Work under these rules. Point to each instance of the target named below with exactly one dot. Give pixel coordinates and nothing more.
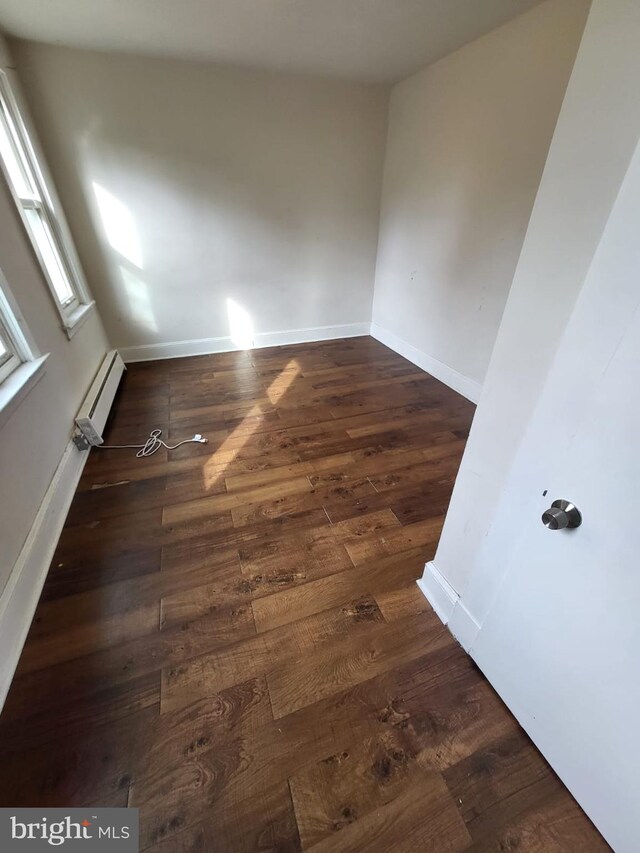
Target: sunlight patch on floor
(216, 465)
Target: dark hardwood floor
(231, 638)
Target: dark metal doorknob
(561, 514)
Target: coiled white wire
(153, 443)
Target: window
(14, 347)
(36, 207)
(21, 365)
(9, 357)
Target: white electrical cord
(153, 443)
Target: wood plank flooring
(231, 639)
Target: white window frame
(10, 357)
(13, 334)
(21, 365)
(37, 196)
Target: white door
(561, 642)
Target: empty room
(319, 418)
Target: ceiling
(369, 40)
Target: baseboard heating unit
(93, 414)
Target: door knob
(561, 514)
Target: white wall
(597, 132)
(215, 184)
(36, 434)
(467, 141)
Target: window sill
(75, 321)
(18, 384)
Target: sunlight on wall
(138, 300)
(240, 325)
(122, 234)
(217, 463)
(119, 226)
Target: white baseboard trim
(463, 626)
(469, 388)
(205, 346)
(20, 596)
(438, 592)
(448, 606)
